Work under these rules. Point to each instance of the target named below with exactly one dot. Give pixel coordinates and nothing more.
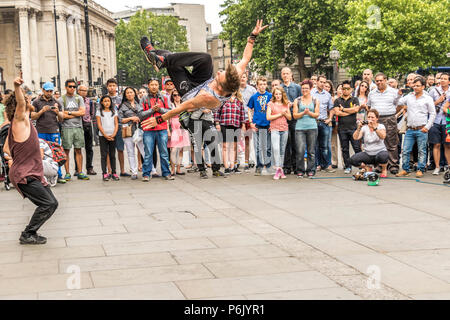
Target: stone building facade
(190, 16)
(28, 41)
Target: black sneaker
(287, 171)
(203, 175)
(28, 238)
(218, 174)
(125, 174)
(150, 54)
(237, 171)
(228, 171)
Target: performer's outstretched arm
(200, 101)
(248, 51)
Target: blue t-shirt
(306, 122)
(258, 102)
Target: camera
(53, 108)
(365, 123)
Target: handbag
(138, 135)
(127, 131)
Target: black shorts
(437, 134)
(230, 133)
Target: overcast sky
(212, 8)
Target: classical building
(220, 51)
(190, 16)
(28, 41)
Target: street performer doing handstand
(198, 88)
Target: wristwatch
(70, 113)
(375, 129)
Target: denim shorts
(120, 144)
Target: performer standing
(27, 172)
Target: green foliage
(301, 28)
(405, 35)
(130, 57)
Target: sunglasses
(72, 87)
(346, 88)
(176, 95)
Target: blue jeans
(263, 148)
(323, 149)
(411, 137)
(279, 141)
(150, 138)
(52, 137)
(306, 140)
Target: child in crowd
(278, 113)
(108, 124)
(178, 138)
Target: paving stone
(433, 262)
(313, 294)
(149, 275)
(157, 246)
(118, 262)
(28, 269)
(209, 232)
(119, 238)
(255, 284)
(399, 276)
(10, 257)
(207, 222)
(154, 291)
(14, 245)
(86, 231)
(152, 226)
(401, 236)
(17, 286)
(227, 254)
(238, 241)
(63, 253)
(230, 269)
(30, 296)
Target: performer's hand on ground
(149, 123)
(259, 27)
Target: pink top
(281, 123)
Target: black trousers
(88, 139)
(204, 132)
(43, 198)
(346, 137)
(176, 63)
(290, 156)
(108, 147)
(362, 157)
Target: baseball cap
(167, 80)
(48, 86)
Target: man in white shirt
(384, 99)
(420, 117)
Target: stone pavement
(244, 237)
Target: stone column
(72, 49)
(63, 48)
(35, 66)
(108, 57)
(112, 46)
(25, 51)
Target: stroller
(4, 168)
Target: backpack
(58, 154)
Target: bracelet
(250, 40)
(159, 120)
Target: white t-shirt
(372, 142)
(108, 122)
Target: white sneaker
(436, 172)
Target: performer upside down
(199, 89)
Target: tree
(301, 28)
(130, 57)
(395, 36)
